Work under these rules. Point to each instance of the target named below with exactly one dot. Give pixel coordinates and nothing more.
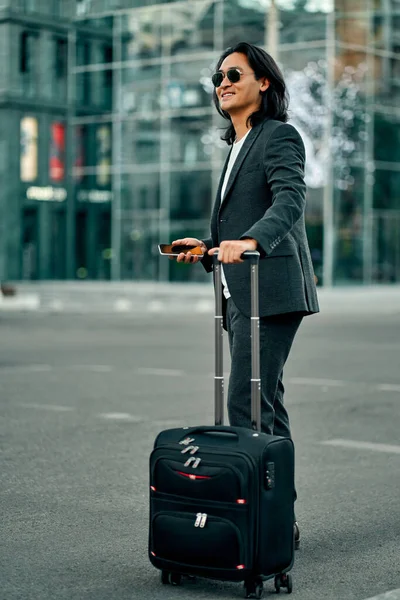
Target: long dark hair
(274, 101)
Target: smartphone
(170, 250)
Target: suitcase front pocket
(209, 482)
(197, 539)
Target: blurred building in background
(109, 142)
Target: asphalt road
(82, 399)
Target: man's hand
(188, 257)
(230, 251)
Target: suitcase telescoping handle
(253, 256)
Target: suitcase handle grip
(212, 429)
(252, 255)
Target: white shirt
(237, 146)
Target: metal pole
(219, 366)
(271, 36)
(70, 155)
(369, 156)
(164, 222)
(255, 348)
(328, 213)
(116, 206)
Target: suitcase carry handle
(211, 429)
(254, 257)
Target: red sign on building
(57, 152)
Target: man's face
(244, 95)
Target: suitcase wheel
(164, 577)
(253, 588)
(283, 580)
(172, 578)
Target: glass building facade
(121, 149)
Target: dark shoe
(7, 289)
(296, 535)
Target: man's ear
(264, 85)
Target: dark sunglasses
(233, 75)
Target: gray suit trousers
(277, 333)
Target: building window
(108, 76)
(83, 79)
(61, 58)
(28, 62)
(82, 7)
(30, 6)
(57, 12)
(24, 56)
(60, 68)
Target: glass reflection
(140, 92)
(190, 196)
(169, 151)
(140, 142)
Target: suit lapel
(249, 141)
(218, 197)
(221, 180)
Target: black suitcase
(222, 498)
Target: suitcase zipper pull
(191, 449)
(196, 462)
(198, 519)
(186, 441)
(203, 520)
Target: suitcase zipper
(204, 463)
(204, 517)
(190, 501)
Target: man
(260, 205)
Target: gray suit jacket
(265, 200)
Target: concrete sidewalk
(154, 297)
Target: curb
(158, 298)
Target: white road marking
(162, 372)
(51, 407)
(318, 382)
(155, 306)
(388, 387)
(392, 595)
(56, 305)
(92, 368)
(26, 369)
(121, 417)
(122, 305)
(203, 306)
(391, 448)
